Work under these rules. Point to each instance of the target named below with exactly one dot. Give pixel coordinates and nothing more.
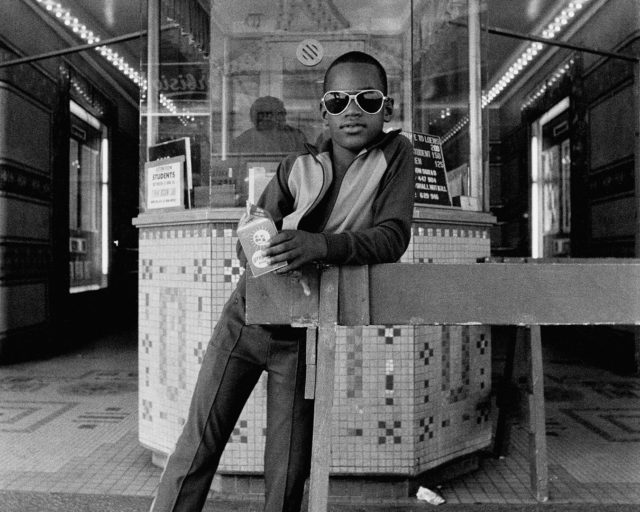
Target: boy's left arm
(388, 238)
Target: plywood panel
(22, 305)
(612, 129)
(25, 130)
(613, 218)
(24, 219)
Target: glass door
(88, 202)
(551, 183)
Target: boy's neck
(341, 158)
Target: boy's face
(354, 129)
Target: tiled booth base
(407, 399)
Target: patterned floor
(69, 425)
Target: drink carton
(255, 229)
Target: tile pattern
(57, 456)
(406, 398)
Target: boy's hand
(296, 248)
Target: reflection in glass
(270, 132)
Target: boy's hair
(359, 58)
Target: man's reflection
(270, 132)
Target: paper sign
(165, 183)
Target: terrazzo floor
(69, 425)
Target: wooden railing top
(557, 292)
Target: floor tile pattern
(44, 406)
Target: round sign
(310, 52)
(259, 259)
(261, 237)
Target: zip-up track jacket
(370, 221)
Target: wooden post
(506, 398)
(636, 94)
(537, 424)
(325, 369)
(310, 378)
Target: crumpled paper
(429, 496)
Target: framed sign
(431, 185)
(165, 183)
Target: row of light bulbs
(552, 29)
(550, 32)
(118, 61)
(83, 92)
(557, 75)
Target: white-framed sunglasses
(370, 101)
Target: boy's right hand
(296, 247)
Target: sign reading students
(165, 183)
(430, 172)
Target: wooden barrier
(568, 292)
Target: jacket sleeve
(388, 238)
(276, 199)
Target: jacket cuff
(337, 247)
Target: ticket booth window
(246, 91)
(88, 202)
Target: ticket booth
(232, 87)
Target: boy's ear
(388, 109)
(323, 113)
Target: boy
(349, 202)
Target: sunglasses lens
(370, 101)
(336, 101)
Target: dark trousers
(236, 356)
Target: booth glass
(242, 81)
